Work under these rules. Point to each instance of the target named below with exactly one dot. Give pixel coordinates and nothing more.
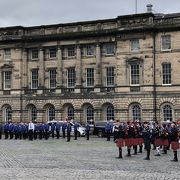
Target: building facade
(124, 68)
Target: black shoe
(157, 155)
(128, 155)
(146, 158)
(174, 160)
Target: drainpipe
(154, 79)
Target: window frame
(162, 41)
(52, 79)
(110, 113)
(110, 76)
(90, 78)
(70, 83)
(7, 57)
(50, 53)
(169, 74)
(109, 49)
(5, 80)
(132, 43)
(35, 80)
(139, 79)
(165, 118)
(36, 57)
(51, 114)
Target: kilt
(161, 142)
(140, 141)
(129, 142)
(120, 142)
(135, 141)
(175, 145)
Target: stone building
(123, 68)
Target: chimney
(149, 8)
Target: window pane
(7, 54)
(166, 42)
(109, 49)
(7, 113)
(136, 112)
(52, 53)
(71, 112)
(7, 80)
(33, 114)
(90, 50)
(90, 77)
(110, 76)
(71, 51)
(51, 113)
(135, 45)
(71, 78)
(135, 74)
(34, 79)
(166, 73)
(35, 53)
(52, 78)
(110, 113)
(89, 114)
(167, 112)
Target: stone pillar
(59, 67)
(78, 67)
(98, 78)
(24, 74)
(1, 80)
(41, 68)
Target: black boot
(165, 150)
(148, 155)
(135, 150)
(175, 157)
(129, 152)
(120, 153)
(140, 148)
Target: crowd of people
(33, 131)
(136, 134)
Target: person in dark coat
(108, 130)
(87, 131)
(76, 126)
(64, 126)
(1, 131)
(147, 135)
(11, 130)
(53, 126)
(69, 128)
(46, 129)
(6, 130)
(58, 127)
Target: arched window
(33, 113)
(7, 113)
(89, 113)
(70, 112)
(136, 112)
(167, 113)
(110, 112)
(51, 113)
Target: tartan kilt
(129, 142)
(175, 145)
(135, 141)
(120, 142)
(140, 141)
(165, 142)
(158, 142)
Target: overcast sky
(42, 12)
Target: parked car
(81, 129)
(99, 128)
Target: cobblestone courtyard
(94, 159)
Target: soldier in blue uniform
(11, 130)
(41, 129)
(6, 130)
(87, 131)
(76, 126)
(58, 127)
(20, 131)
(69, 132)
(16, 131)
(36, 129)
(46, 129)
(108, 130)
(1, 131)
(64, 126)
(53, 129)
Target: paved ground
(94, 159)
